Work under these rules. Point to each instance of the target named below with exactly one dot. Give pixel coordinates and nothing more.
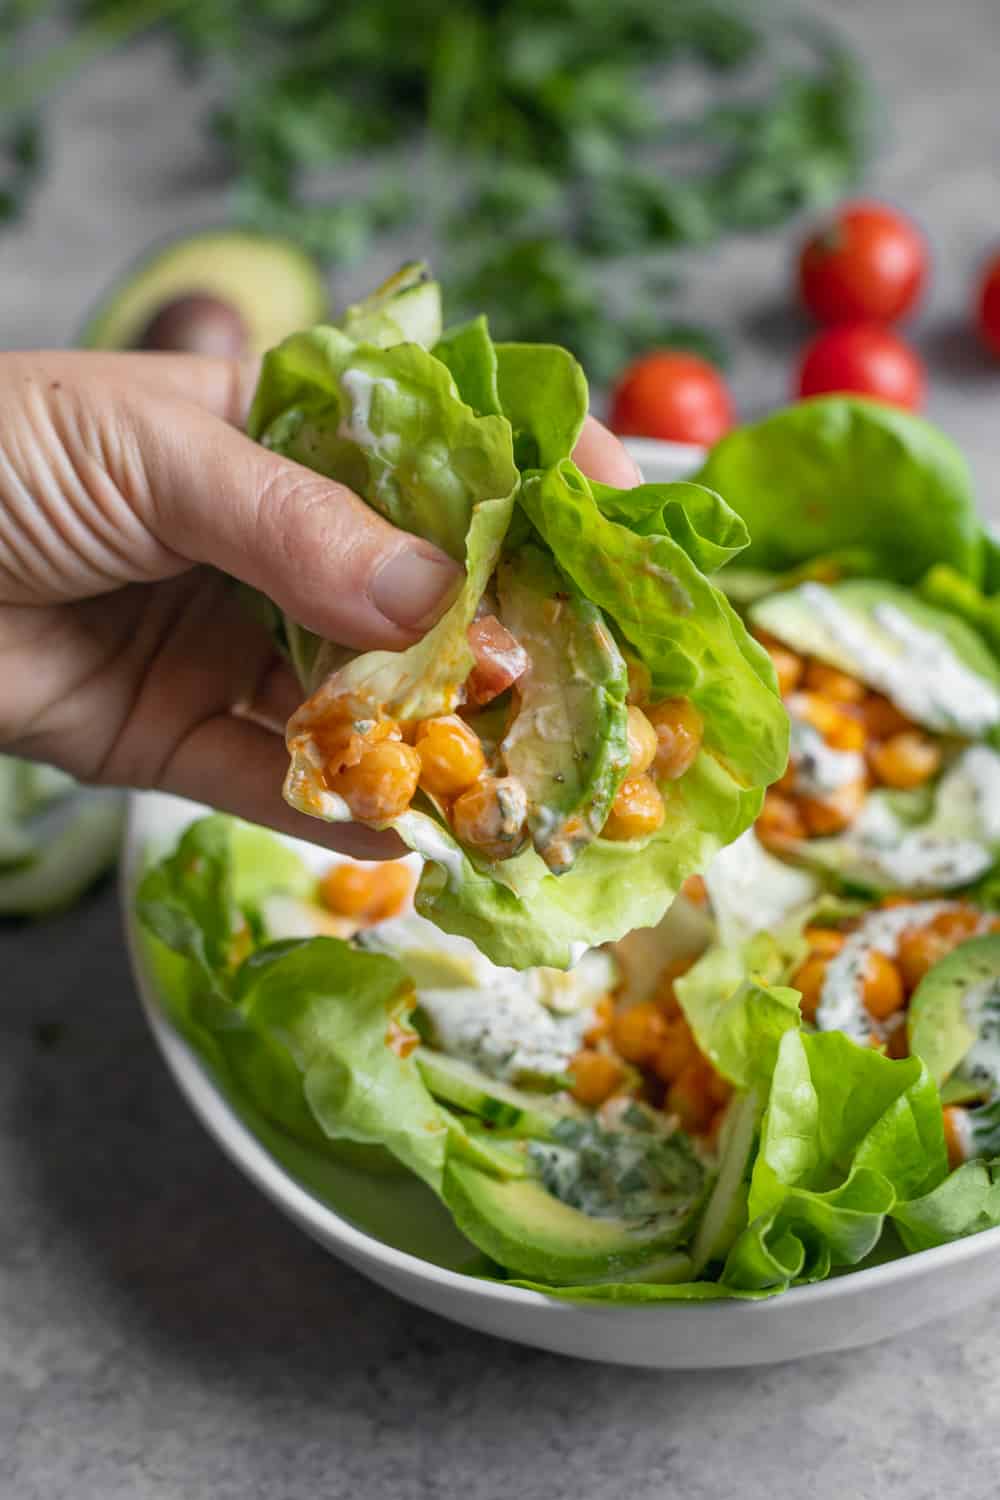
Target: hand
(127, 492)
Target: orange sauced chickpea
(839, 726)
(825, 941)
(906, 760)
(918, 950)
(600, 1027)
(780, 822)
(953, 1118)
(881, 718)
(371, 892)
(642, 741)
(689, 1097)
(344, 741)
(882, 991)
(829, 682)
(636, 812)
(695, 890)
(808, 979)
(380, 785)
(833, 813)
(596, 1075)
(676, 1050)
(788, 665)
(490, 816)
(679, 732)
(451, 756)
(638, 1031)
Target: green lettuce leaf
(470, 354)
(841, 472)
(946, 588)
(739, 1026)
(847, 1134)
(543, 395)
(965, 1203)
(672, 617)
(390, 424)
(698, 519)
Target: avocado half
(274, 287)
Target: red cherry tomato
(988, 305)
(865, 358)
(867, 264)
(500, 659)
(670, 395)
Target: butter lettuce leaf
(674, 619)
(837, 473)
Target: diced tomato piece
(500, 660)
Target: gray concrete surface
(163, 1333)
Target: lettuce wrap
(581, 606)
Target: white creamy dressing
(820, 769)
(981, 1004)
(506, 1022)
(955, 847)
(423, 835)
(355, 425)
(751, 891)
(840, 1004)
(916, 668)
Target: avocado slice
(568, 745)
(526, 1230)
(512, 1110)
(406, 309)
(271, 286)
(953, 1020)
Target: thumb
(212, 496)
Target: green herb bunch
(533, 144)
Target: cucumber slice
(725, 1213)
(512, 1110)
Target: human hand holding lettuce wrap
(590, 721)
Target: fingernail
(413, 589)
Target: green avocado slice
(568, 745)
(531, 1233)
(273, 286)
(953, 1020)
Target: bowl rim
(325, 1224)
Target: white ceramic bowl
(375, 1223)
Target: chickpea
(780, 823)
(451, 756)
(604, 1014)
(906, 760)
(382, 783)
(666, 995)
(596, 1075)
(695, 890)
(881, 718)
(958, 924)
(953, 1120)
(343, 741)
(676, 1050)
(882, 991)
(838, 725)
(788, 665)
(828, 682)
(679, 732)
(490, 816)
(689, 1098)
(642, 742)
(918, 950)
(640, 681)
(374, 892)
(638, 1032)
(636, 812)
(824, 941)
(832, 814)
(808, 979)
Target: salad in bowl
(752, 1048)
